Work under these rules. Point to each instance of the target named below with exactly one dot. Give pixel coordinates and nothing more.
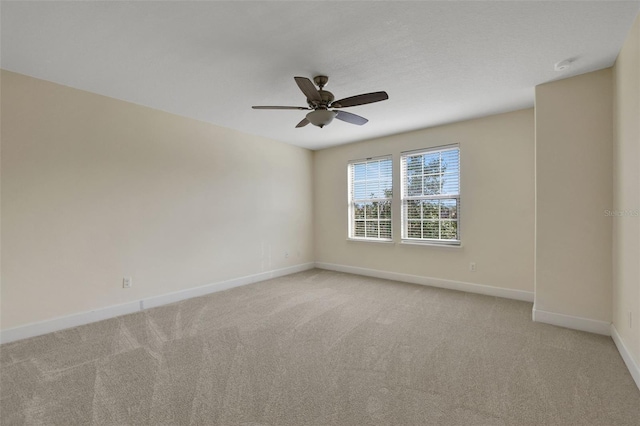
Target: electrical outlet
(127, 282)
(472, 266)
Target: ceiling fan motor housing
(326, 96)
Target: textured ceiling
(439, 61)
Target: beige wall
(95, 189)
(626, 192)
(573, 189)
(497, 199)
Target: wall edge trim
(573, 322)
(526, 296)
(631, 364)
(81, 318)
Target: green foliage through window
(371, 188)
(431, 195)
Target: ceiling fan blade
(303, 123)
(278, 107)
(351, 118)
(367, 98)
(308, 88)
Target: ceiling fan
(321, 102)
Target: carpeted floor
(320, 348)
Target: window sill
(431, 244)
(364, 240)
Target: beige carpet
(320, 348)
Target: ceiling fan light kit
(320, 101)
(321, 117)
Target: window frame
(404, 220)
(352, 201)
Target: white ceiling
(439, 61)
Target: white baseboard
(506, 293)
(74, 320)
(575, 323)
(68, 321)
(632, 365)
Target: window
(370, 192)
(431, 195)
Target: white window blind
(431, 195)
(370, 193)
